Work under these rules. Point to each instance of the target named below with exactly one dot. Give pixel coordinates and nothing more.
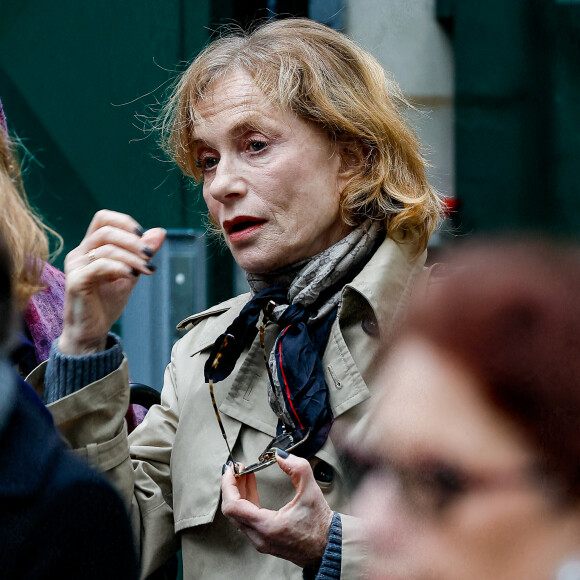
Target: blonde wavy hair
(26, 236)
(325, 78)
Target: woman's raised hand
(298, 531)
(100, 276)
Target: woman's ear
(352, 159)
(351, 155)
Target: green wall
(517, 113)
(75, 79)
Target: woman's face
(451, 494)
(270, 180)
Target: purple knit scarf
(3, 119)
(43, 316)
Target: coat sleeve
(354, 560)
(92, 422)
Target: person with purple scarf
(39, 286)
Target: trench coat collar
(382, 289)
(384, 286)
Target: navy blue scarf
(299, 350)
(305, 327)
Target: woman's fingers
(109, 265)
(135, 263)
(299, 471)
(116, 219)
(235, 488)
(252, 489)
(101, 274)
(111, 242)
(153, 239)
(110, 235)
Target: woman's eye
(256, 146)
(448, 483)
(206, 163)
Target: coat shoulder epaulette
(236, 302)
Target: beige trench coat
(169, 469)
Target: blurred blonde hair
(26, 236)
(324, 78)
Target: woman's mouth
(242, 227)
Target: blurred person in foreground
(474, 442)
(318, 187)
(38, 286)
(58, 517)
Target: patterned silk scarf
(306, 298)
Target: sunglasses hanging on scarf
(298, 393)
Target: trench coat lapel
(247, 399)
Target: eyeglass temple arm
(214, 366)
(268, 310)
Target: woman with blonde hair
(38, 286)
(318, 187)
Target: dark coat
(58, 517)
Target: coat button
(323, 473)
(370, 325)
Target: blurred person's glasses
(288, 440)
(431, 487)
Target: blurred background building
(496, 87)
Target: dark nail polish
(150, 267)
(134, 272)
(230, 463)
(224, 468)
(148, 252)
(139, 231)
(283, 454)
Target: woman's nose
(227, 181)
